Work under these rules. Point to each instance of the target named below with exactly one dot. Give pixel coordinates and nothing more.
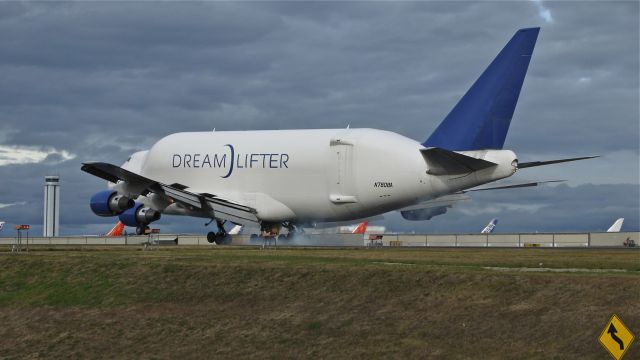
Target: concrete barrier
(390, 240)
(503, 240)
(96, 241)
(441, 240)
(571, 240)
(357, 240)
(612, 239)
(116, 241)
(326, 240)
(38, 241)
(69, 241)
(536, 240)
(412, 240)
(188, 240)
(471, 240)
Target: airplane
(117, 230)
(617, 226)
(361, 228)
(236, 230)
(490, 227)
(2, 225)
(284, 179)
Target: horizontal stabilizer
(549, 162)
(445, 162)
(516, 185)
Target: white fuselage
(308, 175)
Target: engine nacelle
(139, 215)
(110, 203)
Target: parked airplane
(617, 226)
(361, 228)
(288, 178)
(236, 230)
(2, 225)
(117, 230)
(490, 227)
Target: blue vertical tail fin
(480, 120)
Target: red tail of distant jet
(361, 228)
(117, 230)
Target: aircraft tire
(219, 239)
(211, 237)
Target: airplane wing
(216, 206)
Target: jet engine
(110, 203)
(139, 216)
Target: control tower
(51, 206)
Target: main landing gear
(272, 231)
(292, 230)
(220, 237)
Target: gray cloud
(102, 80)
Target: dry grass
(320, 303)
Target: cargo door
(342, 187)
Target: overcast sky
(98, 81)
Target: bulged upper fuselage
(307, 175)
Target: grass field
(315, 303)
